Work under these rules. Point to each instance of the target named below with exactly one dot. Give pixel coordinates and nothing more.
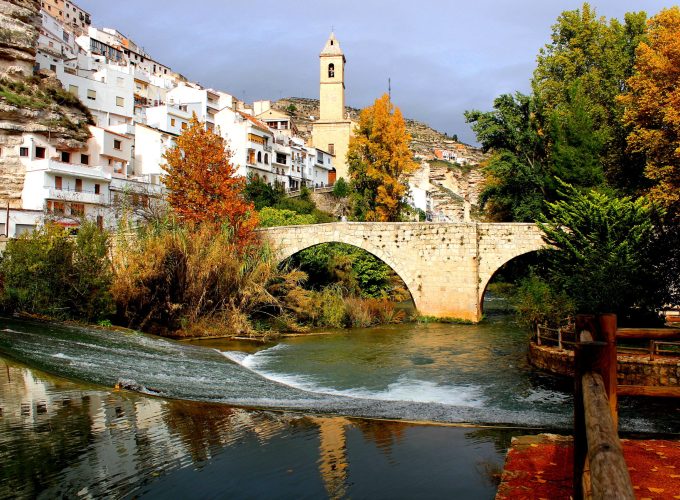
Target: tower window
(331, 70)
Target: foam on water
(402, 389)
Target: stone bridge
(446, 266)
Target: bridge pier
(446, 266)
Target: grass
(451, 165)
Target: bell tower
(331, 132)
(332, 81)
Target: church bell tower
(332, 81)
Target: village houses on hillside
(139, 106)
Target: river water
(185, 430)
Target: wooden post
(609, 475)
(608, 363)
(559, 337)
(538, 334)
(583, 356)
(652, 348)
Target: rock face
(450, 184)
(30, 103)
(19, 22)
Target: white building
(206, 102)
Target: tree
(379, 161)
(202, 183)
(601, 252)
(653, 107)
(516, 173)
(596, 56)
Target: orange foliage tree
(379, 161)
(202, 183)
(653, 106)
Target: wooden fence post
(608, 363)
(538, 334)
(559, 337)
(582, 362)
(652, 348)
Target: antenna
(389, 88)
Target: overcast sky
(443, 56)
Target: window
(85, 159)
(53, 67)
(120, 101)
(280, 158)
(57, 182)
(117, 144)
(331, 70)
(20, 229)
(266, 159)
(2, 229)
(73, 89)
(91, 94)
(65, 157)
(331, 149)
(79, 185)
(23, 151)
(56, 207)
(184, 125)
(251, 157)
(39, 152)
(172, 122)
(259, 157)
(77, 209)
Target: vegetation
(270, 217)
(341, 188)
(48, 272)
(202, 183)
(379, 160)
(651, 105)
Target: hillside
(447, 183)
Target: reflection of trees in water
(39, 436)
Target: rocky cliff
(450, 184)
(28, 102)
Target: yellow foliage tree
(202, 182)
(653, 106)
(379, 161)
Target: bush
(341, 188)
(49, 272)
(270, 217)
(186, 281)
(537, 302)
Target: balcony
(75, 196)
(60, 168)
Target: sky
(443, 57)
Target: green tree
(517, 173)
(601, 254)
(596, 55)
(379, 162)
(341, 188)
(270, 217)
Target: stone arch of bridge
(488, 276)
(385, 256)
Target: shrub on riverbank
(198, 281)
(51, 273)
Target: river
(311, 430)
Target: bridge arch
(485, 281)
(363, 242)
(446, 267)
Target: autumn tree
(202, 183)
(653, 107)
(379, 161)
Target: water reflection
(62, 439)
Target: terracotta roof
(255, 121)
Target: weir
(445, 266)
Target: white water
(402, 389)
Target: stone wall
(631, 370)
(446, 267)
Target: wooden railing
(658, 340)
(600, 470)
